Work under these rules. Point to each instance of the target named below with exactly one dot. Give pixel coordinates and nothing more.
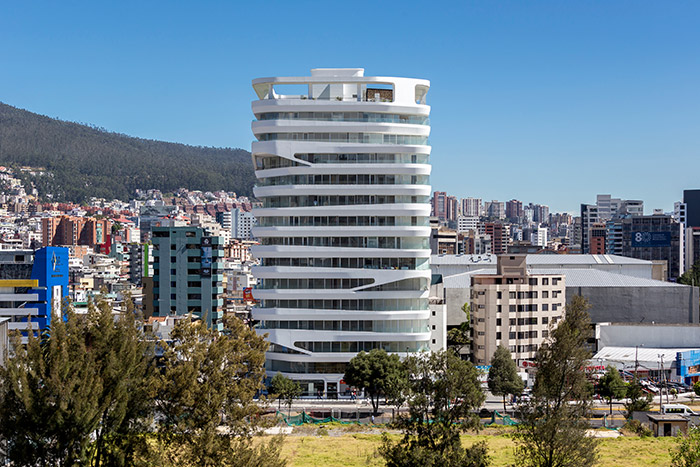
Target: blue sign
(651, 239)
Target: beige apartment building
(515, 309)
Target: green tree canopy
(503, 376)
(442, 393)
(458, 337)
(86, 378)
(87, 393)
(285, 389)
(691, 276)
(552, 432)
(372, 371)
(637, 399)
(611, 386)
(205, 395)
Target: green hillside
(85, 161)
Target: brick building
(70, 230)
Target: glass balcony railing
(346, 117)
(343, 179)
(364, 138)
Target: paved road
(362, 408)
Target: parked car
(677, 408)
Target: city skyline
(591, 98)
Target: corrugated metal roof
(561, 260)
(573, 277)
(644, 355)
(583, 259)
(597, 278)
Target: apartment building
(499, 236)
(471, 207)
(72, 230)
(188, 274)
(242, 224)
(343, 176)
(514, 210)
(439, 206)
(514, 308)
(465, 224)
(597, 239)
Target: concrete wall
(438, 327)
(454, 300)
(671, 305)
(659, 335)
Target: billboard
(206, 257)
(651, 239)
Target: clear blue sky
(548, 102)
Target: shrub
(636, 427)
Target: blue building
(688, 366)
(33, 287)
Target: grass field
(359, 449)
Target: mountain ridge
(86, 161)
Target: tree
(396, 388)
(637, 399)
(124, 359)
(503, 376)
(48, 405)
(204, 398)
(458, 337)
(691, 276)
(371, 372)
(553, 424)
(443, 392)
(285, 389)
(687, 451)
(696, 388)
(78, 394)
(611, 386)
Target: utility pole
(661, 390)
(636, 361)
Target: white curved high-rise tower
(343, 174)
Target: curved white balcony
(308, 105)
(288, 149)
(282, 251)
(261, 314)
(393, 209)
(316, 126)
(389, 231)
(343, 169)
(334, 294)
(264, 272)
(301, 190)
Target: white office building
(465, 224)
(242, 223)
(342, 162)
(539, 236)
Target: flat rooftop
(574, 278)
(561, 260)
